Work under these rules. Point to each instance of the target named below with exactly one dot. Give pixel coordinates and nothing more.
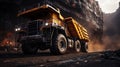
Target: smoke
(95, 46)
(112, 32)
(112, 42)
(111, 35)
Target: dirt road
(45, 59)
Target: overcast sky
(109, 6)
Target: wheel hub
(62, 46)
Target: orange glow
(95, 47)
(8, 41)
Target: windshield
(42, 14)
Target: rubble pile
(113, 55)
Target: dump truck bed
(76, 30)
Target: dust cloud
(111, 34)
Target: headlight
(54, 24)
(17, 29)
(46, 24)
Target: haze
(108, 6)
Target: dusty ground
(45, 59)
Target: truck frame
(48, 29)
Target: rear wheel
(59, 44)
(84, 47)
(77, 46)
(29, 48)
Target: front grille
(33, 27)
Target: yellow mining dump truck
(47, 29)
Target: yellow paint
(79, 31)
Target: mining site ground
(45, 59)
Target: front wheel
(59, 44)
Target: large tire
(29, 48)
(59, 44)
(77, 46)
(84, 47)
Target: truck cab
(43, 22)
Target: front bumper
(34, 39)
